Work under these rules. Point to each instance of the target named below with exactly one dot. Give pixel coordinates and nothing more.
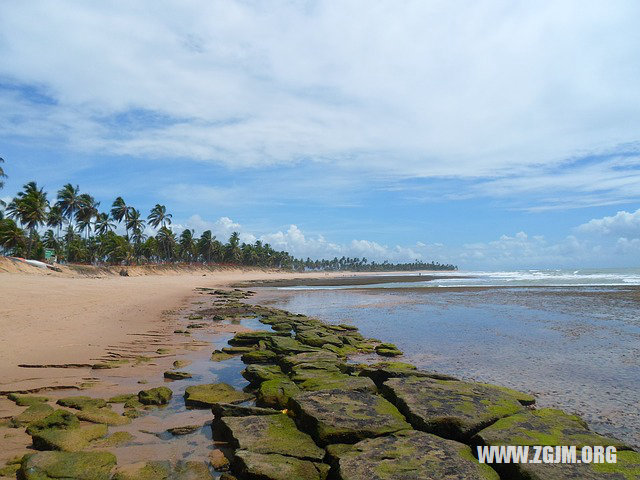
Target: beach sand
(79, 315)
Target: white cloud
(622, 223)
(415, 89)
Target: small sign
(49, 253)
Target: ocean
(571, 337)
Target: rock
(185, 430)
(116, 439)
(36, 412)
(227, 476)
(269, 434)
(627, 467)
(259, 356)
(276, 392)
(219, 461)
(545, 426)
(10, 470)
(282, 327)
(60, 419)
(197, 325)
(321, 356)
(332, 381)
(68, 466)
(256, 374)
(449, 409)
(204, 396)
(176, 375)
(288, 346)
(318, 338)
(124, 398)
(26, 400)
(252, 338)
(163, 470)
(337, 416)
(219, 356)
(181, 363)
(383, 371)
(388, 350)
(133, 403)
(342, 351)
(523, 398)
(155, 396)
(81, 402)
(237, 350)
(258, 466)
(102, 415)
(230, 410)
(68, 440)
(411, 455)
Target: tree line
(73, 226)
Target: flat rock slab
(383, 371)
(68, 440)
(334, 381)
(411, 455)
(270, 434)
(66, 465)
(338, 416)
(230, 410)
(545, 426)
(163, 470)
(276, 392)
(288, 346)
(256, 374)
(205, 396)
(627, 467)
(35, 412)
(449, 409)
(258, 466)
(81, 402)
(155, 396)
(102, 415)
(322, 356)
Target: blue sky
(490, 135)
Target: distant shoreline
(362, 279)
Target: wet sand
(360, 279)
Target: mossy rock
(116, 439)
(10, 470)
(411, 455)
(124, 398)
(388, 350)
(382, 371)
(102, 415)
(321, 356)
(283, 327)
(323, 380)
(184, 430)
(163, 470)
(133, 403)
(288, 346)
(181, 363)
(67, 466)
(269, 434)
(155, 396)
(258, 466)
(59, 419)
(220, 356)
(259, 356)
(205, 396)
(449, 409)
(252, 338)
(318, 338)
(343, 351)
(34, 413)
(546, 426)
(276, 392)
(231, 410)
(26, 400)
(256, 374)
(81, 402)
(337, 416)
(523, 398)
(238, 350)
(172, 375)
(68, 440)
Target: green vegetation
(74, 228)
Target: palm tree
(159, 216)
(167, 239)
(30, 208)
(86, 212)
(68, 201)
(187, 245)
(2, 174)
(11, 236)
(136, 225)
(234, 253)
(206, 245)
(103, 224)
(120, 212)
(55, 218)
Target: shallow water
(577, 349)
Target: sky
(489, 134)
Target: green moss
(82, 402)
(59, 419)
(107, 364)
(36, 412)
(26, 400)
(204, 396)
(276, 392)
(9, 470)
(627, 464)
(123, 398)
(65, 465)
(116, 439)
(68, 440)
(155, 396)
(219, 356)
(259, 356)
(102, 415)
(173, 375)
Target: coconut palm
(136, 225)
(104, 224)
(233, 251)
(120, 212)
(12, 237)
(206, 245)
(167, 239)
(87, 210)
(68, 201)
(187, 245)
(29, 207)
(55, 218)
(159, 216)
